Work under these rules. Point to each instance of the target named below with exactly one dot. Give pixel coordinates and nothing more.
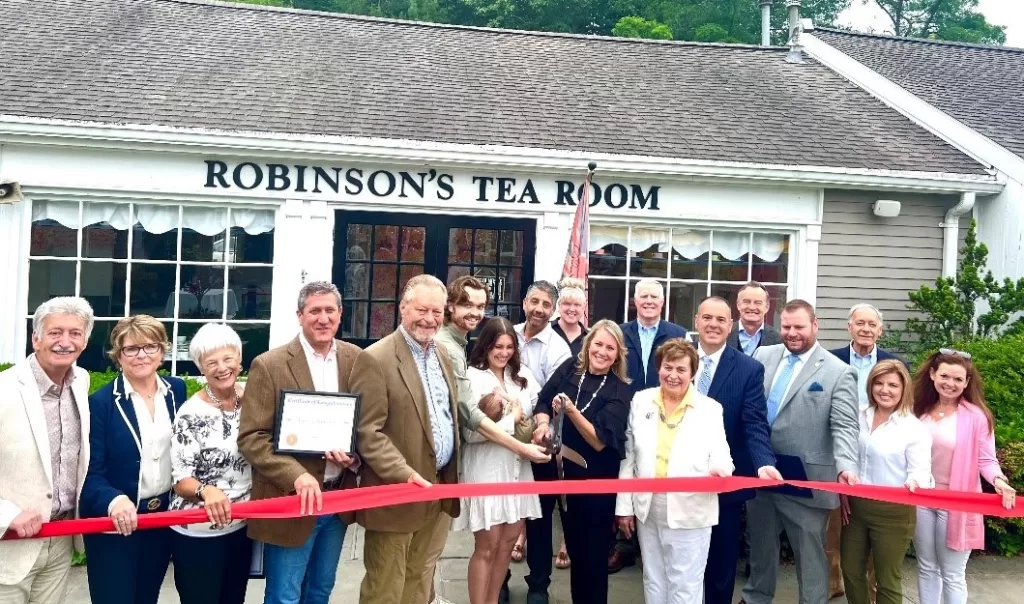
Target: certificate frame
(286, 442)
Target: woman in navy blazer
(130, 466)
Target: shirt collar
(652, 329)
(683, 404)
(715, 358)
(42, 380)
(869, 417)
(161, 387)
(873, 355)
(544, 335)
(455, 334)
(743, 332)
(310, 351)
(804, 356)
(416, 347)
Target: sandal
(562, 560)
(518, 552)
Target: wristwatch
(199, 492)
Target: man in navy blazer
(736, 381)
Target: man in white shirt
(812, 411)
(301, 554)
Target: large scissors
(561, 452)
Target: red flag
(577, 259)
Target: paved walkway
(990, 580)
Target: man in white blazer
(44, 452)
(812, 410)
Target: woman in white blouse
(494, 367)
(673, 431)
(895, 450)
(212, 559)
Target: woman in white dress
(494, 368)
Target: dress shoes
(618, 561)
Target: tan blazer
(282, 368)
(26, 481)
(395, 438)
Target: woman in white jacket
(673, 431)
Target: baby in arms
(496, 407)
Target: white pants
(942, 572)
(47, 582)
(674, 559)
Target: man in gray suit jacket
(752, 332)
(812, 409)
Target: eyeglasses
(951, 352)
(133, 351)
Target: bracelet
(199, 492)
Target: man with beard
(542, 351)
(753, 304)
(408, 433)
(736, 381)
(44, 452)
(812, 411)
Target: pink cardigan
(974, 457)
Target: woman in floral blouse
(211, 559)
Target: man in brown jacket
(408, 432)
(301, 554)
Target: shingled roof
(192, 64)
(981, 86)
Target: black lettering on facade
(332, 182)
(354, 177)
(565, 190)
(484, 182)
(639, 199)
(445, 190)
(616, 196)
(372, 183)
(216, 170)
(409, 179)
(300, 179)
(277, 177)
(505, 190)
(529, 193)
(236, 175)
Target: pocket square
(815, 387)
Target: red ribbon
(335, 502)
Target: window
(185, 265)
(690, 263)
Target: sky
(865, 17)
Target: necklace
(664, 420)
(226, 427)
(593, 396)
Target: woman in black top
(593, 392)
(572, 302)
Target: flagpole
(577, 258)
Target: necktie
(704, 381)
(780, 386)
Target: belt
(158, 503)
(62, 516)
(333, 485)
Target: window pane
(251, 248)
(54, 229)
(771, 258)
(608, 251)
(648, 253)
(606, 298)
(248, 293)
(408, 272)
(152, 289)
(485, 248)
(413, 241)
(94, 357)
(354, 321)
(106, 230)
(456, 271)
(382, 319)
(690, 254)
(357, 280)
(731, 256)
(385, 240)
(255, 340)
(204, 236)
(510, 285)
(683, 300)
(460, 246)
(511, 250)
(186, 331)
(512, 312)
(385, 281)
(358, 240)
(193, 302)
(103, 285)
(154, 246)
(49, 279)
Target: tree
(966, 306)
(638, 27)
(955, 20)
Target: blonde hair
(144, 329)
(882, 368)
(619, 367)
(571, 289)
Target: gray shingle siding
(245, 68)
(864, 258)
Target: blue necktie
(779, 388)
(704, 381)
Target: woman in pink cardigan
(948, 399)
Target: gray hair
(317, 288)
(423, 280)
(651, 283)
(864, 306)
(65, 305)
(211, 337)
(544, 286)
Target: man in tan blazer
(44, 452)
(301, 554)
(408, 432)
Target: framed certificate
(310, 423)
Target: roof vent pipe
(951, 233)
(766, 22)
(796, 53)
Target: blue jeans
(305, 574)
